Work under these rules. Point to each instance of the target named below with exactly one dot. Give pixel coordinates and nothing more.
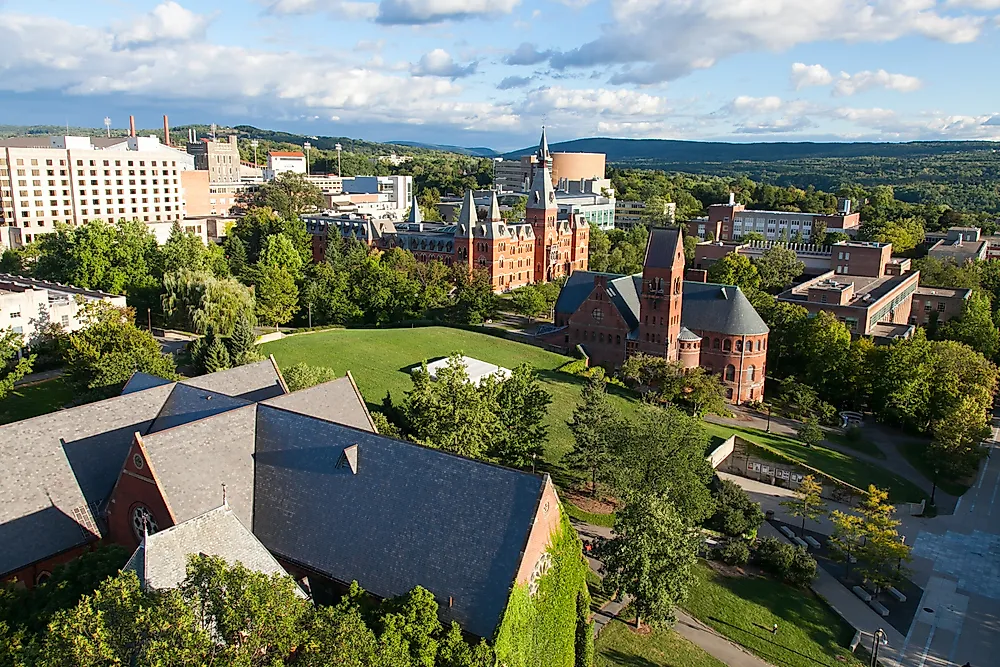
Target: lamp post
(877, 639)
(338, 148)
(768, 418)
(107, 125)
(307, 146)
(254, 143)
(934, 485)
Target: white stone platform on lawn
(474, 368)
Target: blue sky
(489, 72)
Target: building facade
(630, 212)
(28, 305)
(733, 221)
(279, 162)
(660, 313)
(937, 304)
(73, 180)
(220, 158)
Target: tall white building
(279, 162)
(28, 305)
(73, 180)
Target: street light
(307, 146)
(255, 144)
(879, 638)
(934, 485)
(107, 125)
(338, 148)
(768, 418)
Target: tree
(753, 237)
(734, 269)
(236, 255)
(254, 228)
(882, 552)
(778, 268)
(705, 392)
(807, 503)
(529, 301)
(183, 250)
(289, 195)
(904, 235)
(956, 440)
(650, 558)
(104, 354)
(475, 300)
(521, 407)
(594, 422)
(242, 344)
(848, 535)
(216, 356)
(276, 294)
(974, 326)
(196, 301)
(599, 249)
(278, 251)
(690, 249)
(13, 366)
(809, 432)
(735, 513)
(303, 376)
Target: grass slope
(380, 360)
(618, 645)
(745, 608)
(832, 462)
(32, 400)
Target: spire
(415, 214)
(495, 215)
(542, 195)
(468, 218)
(543, 148)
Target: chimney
(195, 133)
(131, 126)
(732, 199)
(166, 130)
(696, 275)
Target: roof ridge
(95, 404)
(200, 420)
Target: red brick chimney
(166, 130)
(131, 126)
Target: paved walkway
(42, 376)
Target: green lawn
(832, 462)
(606, 520)
(745, 608)
(619, 646)
(915, 452)
(33, 400)
(380, 360)
(863, 445)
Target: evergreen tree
(521, 407)
(236, 254)
(241, 345)
(216, 356)
(594, 423)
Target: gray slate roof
(661, 246)
(724, 309)
(161, 560)
(338, 401)
(59, 468)
(192, 461)
(253, 382)
(411, 515)
(188, 404)
(140, 381)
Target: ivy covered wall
(550, 626)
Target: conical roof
(494, 208)
(543, 147)
(415, 214)
(468, 218)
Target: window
(65, 320)
(727, 345)
(730, 374)
(715, 344)
(941, 306)
(143, 521)
(752, 373)
(597, 314)
(739, 346)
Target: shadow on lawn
(629, 660)
(773, 642)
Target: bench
(879, 608)
(862, 593)
(799, 541)
(896, 594)
(812, 541)
(788, 532)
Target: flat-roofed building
(938, 304)
(960, 245)
(219, 157)
(27, 305)
(279, 162)
(631, 212)
(733, 221)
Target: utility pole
(254, 143)
(149, 319)
(310, 315)
(107, 125)
(307, 146)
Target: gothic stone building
(542, 248)
(659, 313)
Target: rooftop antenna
(107, 125)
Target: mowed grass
(33, 400)
(380, 360)
(834, 463)
(619, 646)
(744, 609)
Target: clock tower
(541, 213)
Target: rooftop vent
(349, 459)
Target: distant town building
(279, 162)
(630, 212)
(378, 197)
(938, 304)
(657, 312)
(733, 221)
(45, 180)
(220, 158)
(960, 245)
(28, 305)
(517, 175)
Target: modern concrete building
(220, 158)
(512, 175)
(733, 221)
(577, 166)
(594, 199)
(630, 212)
(46, 180)
(28, 305)
(279, 162)
(960, 245)
(517, 175)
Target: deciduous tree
(778, 267)
(807, 502)
(734, 269)
(12, 366)
(303, 376)
(735, 513)
(521, 407)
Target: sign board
(783, 474)
(766, 470)
(756, 467)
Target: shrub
(802, 569)
(791, 564)
(736, 552)
(736, 513)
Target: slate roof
(577, 288)
(253, 382)
(140, 381)
(688, 335)
(410, 515)
(338, 400)
(187, 404)
(192, 461)
(160, 562)
(661, 246)
(723, 309)
(57, 469)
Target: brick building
(659, 313)
(543, 247)
(733, 221)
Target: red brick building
(541, 248)
(659, 313)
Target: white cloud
(168, 22)
(526, 54)
(872, 117)
(651, 41)
(779, 126)
(440, 63)
(747, 104)
(985, 5)
(619, 103)
(417, 12)
(345, 9)
(804, 76)
(850, 84)
(511, 82)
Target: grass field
(915, 452)
(33, 400)
(832, 462)
(619, 646)
(745, 608)
(863, 445)
(380, 360)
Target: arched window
(730, 373)
(753, 373)
(715, 344)
(727, 345)
(729, 394)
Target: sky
(491, 72)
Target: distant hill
(478, 151)
(656, 152)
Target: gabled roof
(661, 247)
(140, 381)
(494, 214)
(338, 400)
(253, 382)
(187, 404)
(409, 516)
(160, 562)
(722, 309)
(192, 461)
(57, 469)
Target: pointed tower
(661, 297)
(415, 214)
(465, 232)
(541, 212)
